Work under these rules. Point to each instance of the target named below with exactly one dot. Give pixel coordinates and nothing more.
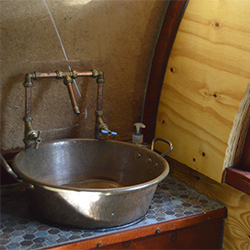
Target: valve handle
(38, 139)
(108, 132)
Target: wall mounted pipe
(31, 135)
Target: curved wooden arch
(164, 45)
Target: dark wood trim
(207, 235)
(239, 176)
(245, 157)
(163, 49)
(239, 179)
(137, 233)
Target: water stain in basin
(93, 183)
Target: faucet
(33, 136)
(100, 126)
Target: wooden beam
(164, 45)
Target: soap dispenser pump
(137, 137)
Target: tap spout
(100, 127)
(68, 82)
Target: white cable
(60, 40)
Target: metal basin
(90, 183)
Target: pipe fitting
(95, 73)
(67, 80)
(28, 79)
(30, 135)
(37, 75)
(59, 74)
(28, 125)
(99, 125)
(99, 74)
(73, 74)
(27, 119)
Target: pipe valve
(108, 132)
(32, 136)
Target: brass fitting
(28, 79)
(28, 126)
(73, 74)
(31, 135)
(99, 74)
(59, 74)
(67, 80)
(99, 125)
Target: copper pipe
(86, 73)
(73, 99)
(51, 75)
(27, 102)
(31, 135)
(99, 97)
(47, 75)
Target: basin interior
(89, 163)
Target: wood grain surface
(206, 77)
(162, 52)
(190, 230)
(237, 224)
(237, 138)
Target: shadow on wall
(117, 37)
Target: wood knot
(172, 69)
(216, 24)
(196, 177)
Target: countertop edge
(139, 232)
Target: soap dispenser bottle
(137, 137)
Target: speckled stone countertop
(21, 230)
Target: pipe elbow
(28, 79)
(99, 75)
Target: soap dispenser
(137, 137)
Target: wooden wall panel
(237, 224)
(206, 77)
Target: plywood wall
(117, 37)
(237, 223)
(206, 77)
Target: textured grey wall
(117, 37)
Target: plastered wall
(117, 37)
